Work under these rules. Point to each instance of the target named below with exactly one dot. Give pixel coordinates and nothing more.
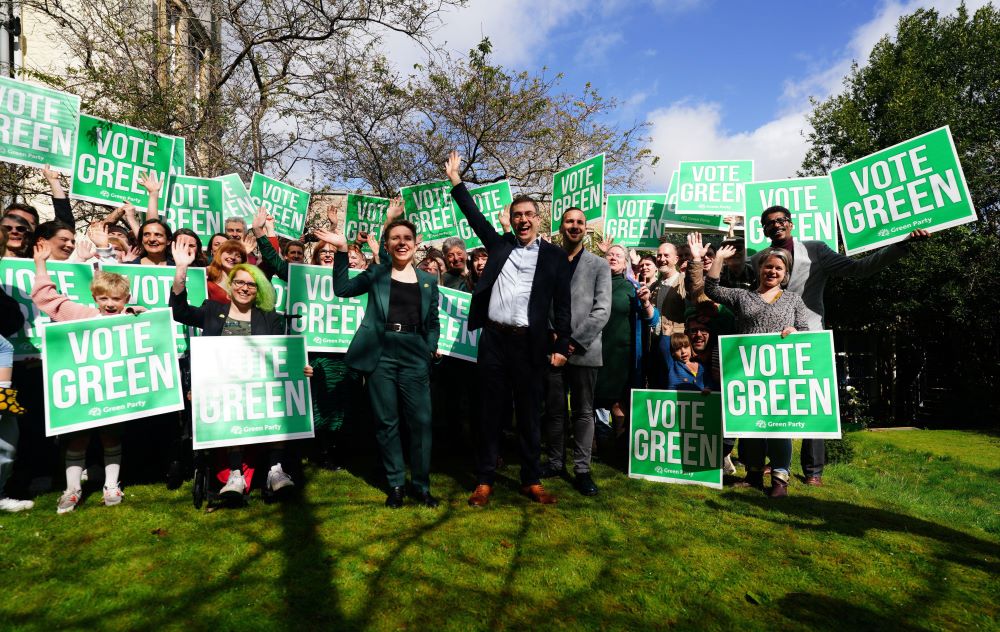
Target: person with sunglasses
(20, 236)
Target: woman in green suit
(394, 347)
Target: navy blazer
(549, 289)
(211, 316)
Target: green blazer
(366, 347)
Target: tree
(940, 305)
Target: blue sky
(715, 79)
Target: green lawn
(905, 537)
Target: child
(684, 373)
(111, 293)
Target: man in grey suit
(812, 263)
(590, 309)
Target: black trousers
(508, 376)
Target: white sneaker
(113, 496)
(12, 505)
(277, 479)
(235, 487)
(727, 465)
(69, 500)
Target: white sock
(112, 465)
(276, 467)
(6, 384)
(74, 468)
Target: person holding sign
(394, 346)
(111, 294)
(769, 308)
(250, 312)
(526, 280)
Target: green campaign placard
(195, 203)
(491, 200)
(17, 277)
(364, 214)
(810, 201)
(108, 369)
(430, 208)
(38, 126)
(779, 387)
(327, 322)
(635, 220)
(673, 219)
(712, 187)
(111, 159)
(177, 161)
(918, 183)
(676, 437)
(236, 201)
(281, 293)
(151, 287)
(249, 389)
(580, 186)
(288, 205)
(456, 339)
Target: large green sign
(713, 187)
(635, 220)
(918, 183)
(112, 159)
(676, 437)
(195, 203)
(580, 186)
(236, 201)
(37, 125)
(105, 370)
(152, 286)
(364, 214)
(456, 339)
(327, 322)
(249, 389)
(673, 219)
(810, 201)
(491, 200)
(288, 205)
(779, 387)
(17, 277)
(429, 207)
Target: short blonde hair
(106, 283)
(781, 255)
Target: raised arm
(477, 221)
(60, 202)
(267, 251)
(182, 311)
(152, 186)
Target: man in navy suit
(525, 279)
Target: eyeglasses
(528, 215)
(17, 229)
(778, 221)
(692, 332)
(240, 283)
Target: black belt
(400, 327)
(512, 330)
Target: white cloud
(595, 47)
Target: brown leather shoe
(815, 481)
(481, 495)
(538, 494)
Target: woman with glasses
(19, 236)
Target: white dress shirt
(512, 289)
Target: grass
(906, 537)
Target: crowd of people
(565, 337)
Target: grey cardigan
(590, 308)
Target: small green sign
(365, 214)
(17, 277)
(635, 220)
(111, 159)
(491, 200)
(918, 183)
(326, 321)
(673, 219)
(676, 437)
(429, 207)
(580, 186)
(108, 369)
(38, 126)
(456, 339)
(779, 387)
(177, 161)
(195, 203)
(713, 187)
(809, 200)
(281, 293)
(151, 288)
(288, 205)
(249, 389)
(236, 201)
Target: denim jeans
(778, 451)
(8, 448)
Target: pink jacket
(60, 308)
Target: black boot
(394, 499)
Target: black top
(404, 303)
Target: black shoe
(551, 471)
(585, 484)
(394, 499)
(424, 498)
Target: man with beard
(591, 290)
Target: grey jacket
(590, 308)
(814, 261)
